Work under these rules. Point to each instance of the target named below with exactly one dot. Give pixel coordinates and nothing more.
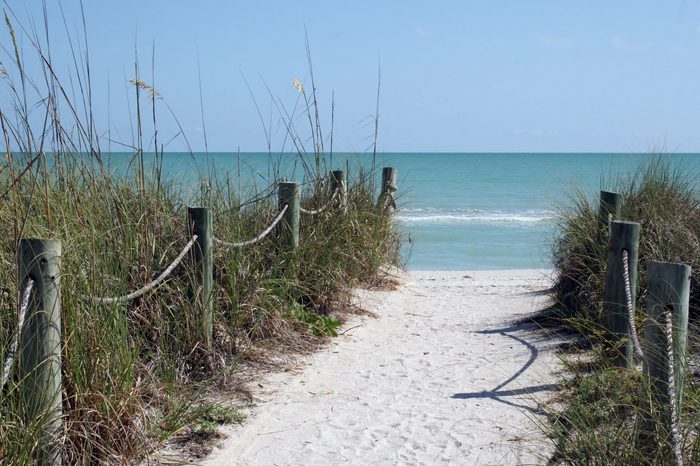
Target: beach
(447, 372)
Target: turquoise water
(497, 211)
(459, 211)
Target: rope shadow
(496, 393)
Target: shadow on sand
(496, 393)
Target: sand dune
(441, 376)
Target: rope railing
(666, 329)
(630, 305)
(320, 209)
(155, 283)
(262, 235)
(150, 286)
(670, 358)
(24, 303)
(42, 258)
(675, 434)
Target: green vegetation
(664, 200)
(318, 324)
(132, 370)
(605, 407)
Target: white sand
(440, 377)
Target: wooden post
(609, 210)
(288, 228)
(40, 347)
(623, 236)
(200, 223)
(339, 184)
(389, 180)
(668, 289)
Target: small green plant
(318, 324)
(208, 417)
(201, 418)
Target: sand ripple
(441, 377)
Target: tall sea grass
(605, 407)
(129, 368)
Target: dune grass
(135, 373)
(605, 406)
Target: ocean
(458, 211)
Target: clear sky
(472, 76)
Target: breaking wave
(476, 216)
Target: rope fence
(150, 286)
(666, 329)
(155, 283)
(670, 358)
(24, 303)
(320, 209)
(630, 305)
(675, 433)
(262, 235)
(39, 260)
(338, 177)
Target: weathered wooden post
(624, 236)
(339, 185)
(609, 210)
(288, 228)
(40, 344)
(200, 223)
(388, 194)
(668, 295)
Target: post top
(624, 222)
(40, 243)
(199, 210)
(661, 264)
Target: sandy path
(442, 376)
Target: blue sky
(470, 76)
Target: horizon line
(414, 152)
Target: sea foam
(476, 216)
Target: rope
(151, 285)
(20, 323)
(257, 238)
(320, 209)
(630, 305)
(675, 435)
(388, 199)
